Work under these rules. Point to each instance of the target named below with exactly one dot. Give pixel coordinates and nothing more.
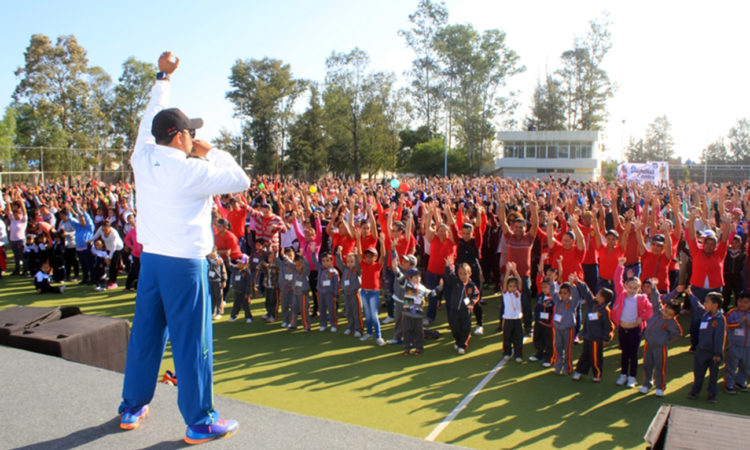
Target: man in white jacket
(176, 177)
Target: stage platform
(50, 403)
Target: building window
(562, 150)
(541, 150)
(552, 150)
(555, 171)
(513, 149)
(531, 150)
(575, 150)
(587, 150)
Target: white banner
(654, 172)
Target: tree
(426, 22)
(8, 136)
(609, 170)
(131, 98)
(266, 91)
(636, 151)
(548, 108)
(476, 66)
(230, 143)
(715, 153)
(307, 140)
(739, 142)
(344, 97)
(62, 101)
(427, 158)
(409, 139)
(659, 145)
(585, 84)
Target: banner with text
(650, 172)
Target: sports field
(340, 378)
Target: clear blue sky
(689, 63)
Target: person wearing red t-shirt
(608, 255)
(518, 244)
(226, 242)
(371, 266)
(632, 258)
(708, 265)
(237, 215)
(340, 234)
(655, 260)
(589, 264)
(442, 246)
(227, 246)
(570, 249)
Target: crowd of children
(570, 263)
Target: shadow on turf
(529, 399)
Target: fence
(711, 173)
(46, 164)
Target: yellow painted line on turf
(469, 397)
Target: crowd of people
(570, 262)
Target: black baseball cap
(171, 121)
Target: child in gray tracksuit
(301, 287)
(286, 283)
(350, 282)
(738, 353)
(328, 289)
(269, 271)
(597, 330)
(415, 296)
(566, 302)
(399, 268)
(242, 285)
(217, 278)
(662, 327)
(710, 349)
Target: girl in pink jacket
(629, 313)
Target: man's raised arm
(158, 101)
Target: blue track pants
(172, 300)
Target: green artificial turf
(337, 377)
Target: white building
(537, 154)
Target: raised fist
(166, 63)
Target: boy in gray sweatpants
(350, 282)
(301, 287)
(738, 353)
(328, 288)
(217, 278)
(286, 282)
(566, 302)
(399, 269)
(242, 286)
(662, 328)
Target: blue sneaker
(130, 420)
(198, 434)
